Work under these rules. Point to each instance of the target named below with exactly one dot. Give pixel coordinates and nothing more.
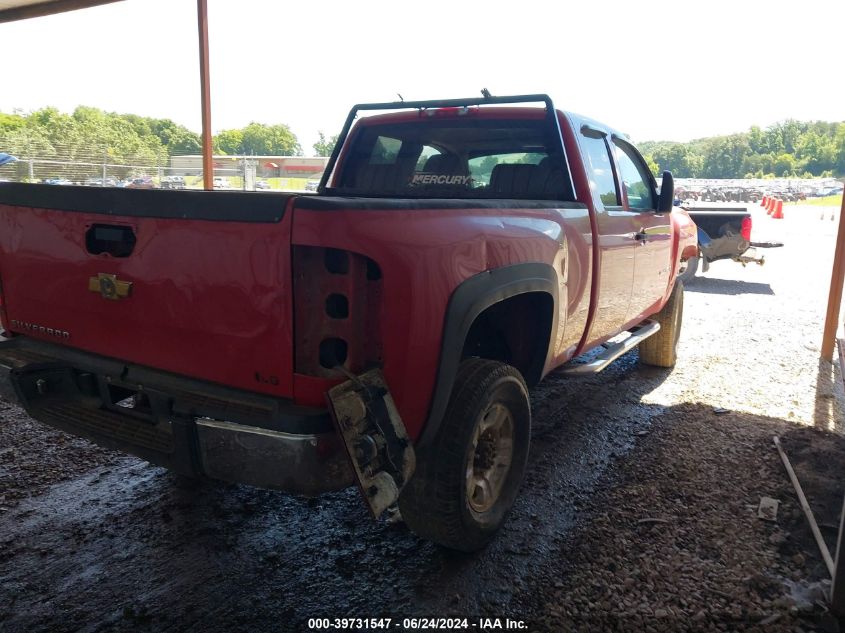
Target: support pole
(834, 299)
(205, 91)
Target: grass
(827, 201)
(281, 184)
(288, 184)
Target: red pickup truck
(383, 331)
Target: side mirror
(667, 193)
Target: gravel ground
(638, 511)
(34, 457)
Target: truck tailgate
(193, 282)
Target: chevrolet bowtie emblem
(109, 286)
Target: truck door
(616, 230)
(653, 231)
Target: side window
(600, 170)
(635, 177)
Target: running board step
(613, 351)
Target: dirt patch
(673, 541)
(818, 459)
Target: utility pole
(205, 94)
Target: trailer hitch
(745, 260)
(375, 438)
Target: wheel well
(515, 331)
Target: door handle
(641, 237)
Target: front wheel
(661, 349)
(467, 481)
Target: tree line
(786, 149)
(93, 135)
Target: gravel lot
(638, 512)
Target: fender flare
(468, 300)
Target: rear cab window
(462, 158)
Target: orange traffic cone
(770, 205)
(764, 201)
(777, 214)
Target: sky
(653, 69)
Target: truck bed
(722, 226)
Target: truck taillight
(746, 229)
(337, 309)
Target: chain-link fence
(70, 164)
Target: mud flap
(376, 442)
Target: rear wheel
(661, 349)
(466, 483)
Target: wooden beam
(205, 96)
(834, 299)
(50, 7)
(837, 589)
(808, 512)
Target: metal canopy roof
(11, 10)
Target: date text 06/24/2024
(416, 624)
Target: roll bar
(551, 118)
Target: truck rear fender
(516, 303)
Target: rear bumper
(188, 426)
(303, 464)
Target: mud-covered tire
(689, 273)
(661, 349)
(437, 503)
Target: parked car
(143, 182)
(312, 185)
(262, 184)
(221, 183)
(98, 182)
(383, 332)
(58, 181)
(172, 182)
